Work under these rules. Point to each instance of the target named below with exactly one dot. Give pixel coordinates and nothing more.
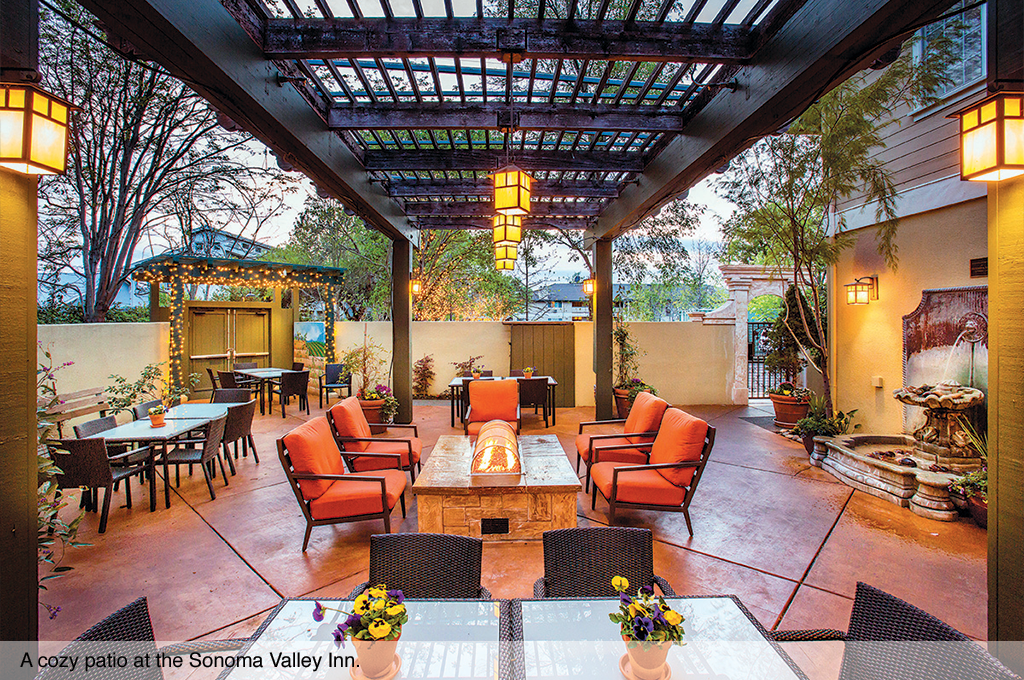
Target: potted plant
(379, 405)
(973, 486)
(528, 371)
(785, 358)
(628, 383)
(791, 404)
(374, 626)
(156, 416)
(368, 361)
(649, 627)
(477, 372)
(817, 424)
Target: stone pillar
(603, 329)
(740, 391)
(401, 328)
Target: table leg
(552, 394)
(451, 401)
(152, 478)
(167, 477)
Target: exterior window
(970, 43)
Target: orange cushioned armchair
(327, 493)
(669, 480)
(492, 400)
(352, 433)
(631, 444)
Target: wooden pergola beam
(486, 209)
(492, 159)
(821, 44)
(434, 222)
(473, 37)
(467, 187)
(200, 42)
(495, 115)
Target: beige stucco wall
(935, 249)
(585, 376)
(689, 363)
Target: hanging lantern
(504, 265)
(589, 287)
(505, 252)
(33, 130)
(508, 229)
(992, 138)
(512, 191)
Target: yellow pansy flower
(620, 583)
(377, 605)
(377, 592)
(379, 628)
(395, 610)
(360, 604)
(674, 618)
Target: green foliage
(818, 423)
(468, 366)
(627, 358)
(973, 483)
(369, 361)
(422, 377)
(151, 384)
(788, 389)
(764, 308)
(55, 311)
(783, 351)
(788, 339)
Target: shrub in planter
(817, 424)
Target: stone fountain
(914, 470)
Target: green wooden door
(551, 348)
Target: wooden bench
(76, 404)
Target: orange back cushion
(313, 451)
(494, 399)
(349, 421)
(645, 415)
(681, 438)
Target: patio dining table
(263, 376)
(455, 394)
(205, 412)
(518, 639)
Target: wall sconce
(589, 287)
(862, 290)
(34, 127)
(992, 138)
(415, 286)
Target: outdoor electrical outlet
(876, 381)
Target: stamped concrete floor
(787, 538)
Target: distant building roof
(209, 241)
(573, 292)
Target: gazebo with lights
(178, 271)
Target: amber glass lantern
(508, 229)
(512, 191)
(33, 130)
(992, 138)
(415, 286)
(862, 290)
(589, 287)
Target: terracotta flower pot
(788, 410)
(156, 419)
(527, 374)
(371, 411)
(622, 403)
(648, 664)
(979, 511)
(476, 376)
(376, 657)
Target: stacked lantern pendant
(511, 202)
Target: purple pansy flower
(659, 616)
(318, 612)
(397, 596)
(339, 635)
(625, 599)
(642, 627)
(647, 590)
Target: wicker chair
(325, 492)
(245, 365)
(298, 365)
(631, 443)
(516, 373)
(213, 378)
(141, 411)
(292, 385)
(239, 427)
(84, 463)
(353, 436)
(581, 562)
(878, 620)
(534, 392)
(231, 395)
(200, 453)
(333, 380)
(427, 565)
(129, 631)
(97, 425)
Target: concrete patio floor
(785, 537)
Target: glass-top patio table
(455, 388)
(263, 376)
(197, 411)
(522, 639)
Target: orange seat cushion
(473, 427)
(645, 415)
(349, 421)
(643, 486)
(348, 499)
(494, 400)
(388, 446)
(622, 455)
(681, 438)
(313, 451)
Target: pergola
(179, 270)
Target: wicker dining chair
(97, 425)
(202, 453)
(236, 395)
(427, 565)
(581, 562)
(298, 365)
(292, 385)
(129, 632)
(516, 373)
(213, 378)
(534, 392)
(84, 463)
(333, 379)
(141, 411)
(227, 380)
(890, 638)
(245, 365)
(238, 427)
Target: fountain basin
(922, 491)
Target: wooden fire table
(451, 501)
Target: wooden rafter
(569, 188)
(487, 160)
(572, 223)
(486, 208)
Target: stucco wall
(935, 250)
(689, 363)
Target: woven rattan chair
(141, 411)
(238, 427)
(427, 565)
(237, 395)
(227, 380)
(292, 385)
(213, 378)
(129, 632)
(298, 365)
(516, 373)
(84, 463)
(203, 453)
(534, 392)
(334, 379)
(98, 425)
(581, 562)
(245, 365)
(889, 638)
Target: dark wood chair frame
(691, 489)
(643, 448)
(347, 456)
(294, 477)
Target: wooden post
(177, 350)
(401, 328)
(603, 329)
(19, 605)
(329, 351)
